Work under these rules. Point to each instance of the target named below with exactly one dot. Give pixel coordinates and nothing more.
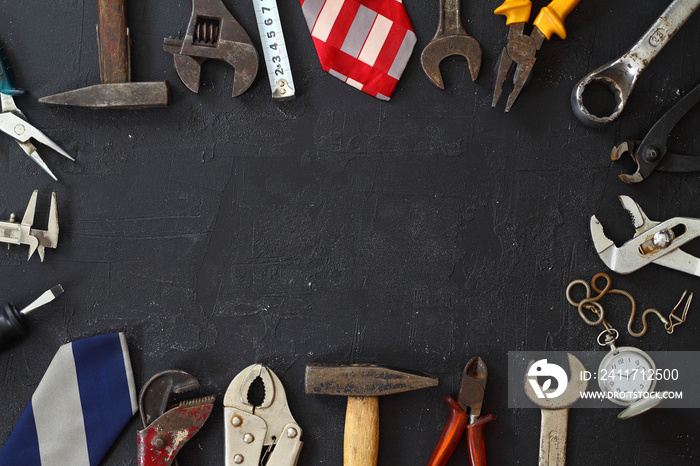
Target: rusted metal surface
(363, 380)
(450, 39)
(621, 75)
(166, 430)
(115, 96)
(116, 90)
(517, 60)
(214, 33)
(471, 393)
(155, 394)
(162, 440)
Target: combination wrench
(621, 75)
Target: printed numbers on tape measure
(274, 49)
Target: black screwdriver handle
(13, 325)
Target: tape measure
(274, 49)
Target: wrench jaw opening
(442, 47)
(617, 77)
(574, 387)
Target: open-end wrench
(621, 75)
(555, 412)
(450, 39)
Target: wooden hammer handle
(113, 41)
(361, 431)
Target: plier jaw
(651, 153)
(264, 434)
(521, 49)
(15, 124)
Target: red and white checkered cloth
(365, 43)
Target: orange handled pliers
(465, 413)
(521, 48)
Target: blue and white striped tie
(85, 399)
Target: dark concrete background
(338, 228)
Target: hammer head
(115, 95)
(362, 380)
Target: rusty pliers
(259, 433)
(213, 32)
(166, 429)
(521, 49)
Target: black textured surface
(337, 228)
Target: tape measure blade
(274, 49)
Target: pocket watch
(626, 375)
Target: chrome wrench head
(621, 75)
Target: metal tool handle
(553, 437)
(662, 31)
(621, 75)
(113, 42)
(450, 18)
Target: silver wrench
(555, 412)
(621, 75)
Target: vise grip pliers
(166, 429)
(262, 434)
(657, 242)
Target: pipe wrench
(166, 429)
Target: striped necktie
(365, 43)
(85, 399)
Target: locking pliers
(167, 429)
(262, 434)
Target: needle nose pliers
(15, 124)
(521, 49)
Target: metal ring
(617, 335)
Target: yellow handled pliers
(521, 48)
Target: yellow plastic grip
(515, 11)
(551, 18)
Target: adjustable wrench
(213, 32)
(621, 75)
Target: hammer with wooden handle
(363, 385)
